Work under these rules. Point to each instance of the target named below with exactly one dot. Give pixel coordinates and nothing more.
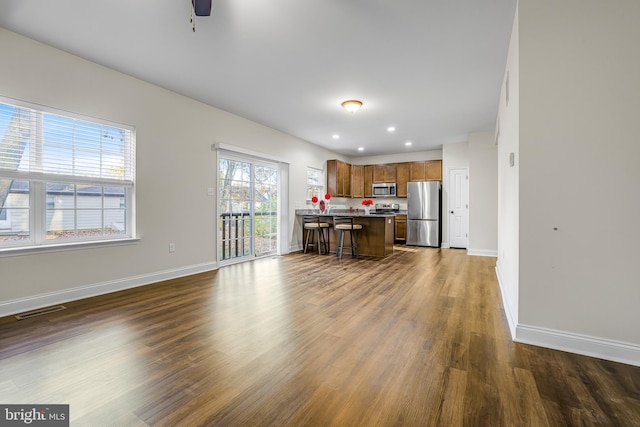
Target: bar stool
(314, 227)
(345, 225)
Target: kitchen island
(375, 239)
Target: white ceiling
(431, 68)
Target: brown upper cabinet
(402, 178)
(384, 173)
(345, 180)
(338, 178)
(418, 171)
(368, 180)
(434, 170)
(429, 170)
(357, 181)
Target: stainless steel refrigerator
(423, 213)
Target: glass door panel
(266, 210)
(247, 209)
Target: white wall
(175, 166)
(483, 194)
(397, 158)
(579, 103)
(508, 136)
(580, 145)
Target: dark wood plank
(418, 338)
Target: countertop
(344, 212)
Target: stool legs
(340, 244)
(325, 238)
(309, 240)
(354, 243)
(320, 242)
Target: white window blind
(63, 177)
(315, 183)
(44, 145)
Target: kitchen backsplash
(347, 202)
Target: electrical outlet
(172, 247)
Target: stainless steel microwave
(384, 189)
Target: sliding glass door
(248, 208)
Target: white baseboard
(483, 252)
(20, 305)
(444, 245)
(507, 307)
(586, 345)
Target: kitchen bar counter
(375, 239)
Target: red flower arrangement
(367, 202)
(314, 199)
(327, 196)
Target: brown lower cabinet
(401, 228)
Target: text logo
(34, 415)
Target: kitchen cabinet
(375, 239)
(384, 173)
(402, 178)
(429, 170)
(357, 181)
(338, 178)
(345, 180)
(401, 228)
(418, 171)
(434, 170)
(368, 181)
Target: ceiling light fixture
(391, 129)
(408, 143)
(352, 105)
(336, 136)
(360, 148)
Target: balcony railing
(235, 238)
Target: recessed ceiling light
(391, 129)
(336, 136)
(360, 148)
(408, 143)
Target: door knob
(451, 211)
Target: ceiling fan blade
(202, 7)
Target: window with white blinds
(315, 181)
(63, 177)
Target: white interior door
(458, 210)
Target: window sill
(61, 247)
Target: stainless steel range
(386, 207)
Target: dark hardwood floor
(416, 339)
